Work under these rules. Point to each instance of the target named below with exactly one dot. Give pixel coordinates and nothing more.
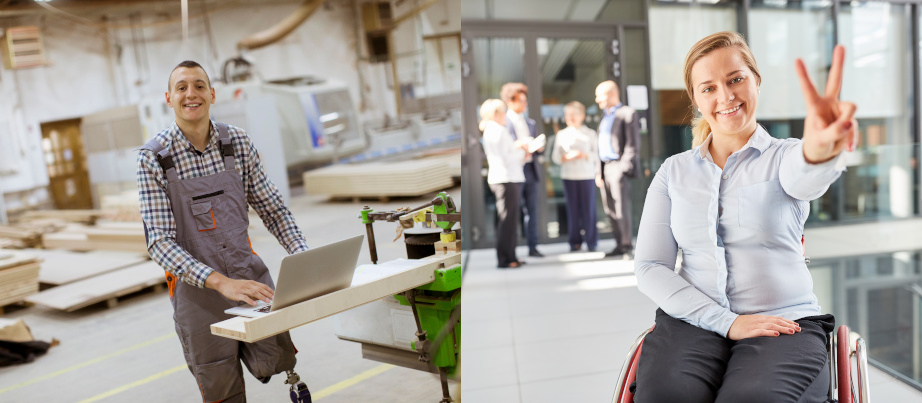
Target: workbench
(371, 282)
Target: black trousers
(616, 199)
(580, 196)
(507, 218)
(530, 189)
(684, 363)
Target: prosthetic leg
(298, 390)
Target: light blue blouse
(739, 230)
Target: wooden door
(69, 180)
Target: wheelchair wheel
(844, 364)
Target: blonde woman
(575, 150)
(505, 158)
(741, 321)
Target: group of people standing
(605, 159)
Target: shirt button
(726, 177)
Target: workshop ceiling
(94, 9)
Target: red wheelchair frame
(840, 369)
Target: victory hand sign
(830, 125)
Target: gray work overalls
(211, 224)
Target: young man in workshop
(195, 179)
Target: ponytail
(700, 130)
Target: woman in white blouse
(740, 322)
(576, 150)
(505, 158)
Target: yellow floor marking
(90, 362)
(134, 384)
(351, 381)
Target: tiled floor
(558, 329)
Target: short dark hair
(187, 64)
(511, 90)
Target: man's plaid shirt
(261, 193)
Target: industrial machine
(419, 328)
(317, 118)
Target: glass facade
(855, 288)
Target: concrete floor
(558, 329)
(131, 352)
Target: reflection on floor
(558, 329)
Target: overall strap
(164, 158)
(227, 146)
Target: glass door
(559, 62)
(570, 71)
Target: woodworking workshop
(230, 200)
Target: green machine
(435, 306)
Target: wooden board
(15, 258)
(87, 216)
(23, 236)
(406, 178)
(360, 293)
(63, 266)
(16, 283)
(105, 287)
(109, 232)
(83, 242)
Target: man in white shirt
(515, 95)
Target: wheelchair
(842, 388)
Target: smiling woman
(725, 83)
(742, 308)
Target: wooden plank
(79, 294)
(88, 216)
(63, 266)
(380, 179)
(18, 258)
(18, 282)
(81, 242)
(25, 271)
(360, 293)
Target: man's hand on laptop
(239, 290)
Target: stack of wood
(380, 179)
(119, 236)
(122, 206)
(104, 287)
(88, 217)
(18, 276)
(19, 237)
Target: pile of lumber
(106, 287)
(122, 206)
(18, 276)
(118, 236)
(380, 179)
(61, 267)
(20, 237)
(82, 216)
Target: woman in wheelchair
(740, 321)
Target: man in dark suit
(515, 95)
(619, 143)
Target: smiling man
(195, 180)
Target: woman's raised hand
(830, 125)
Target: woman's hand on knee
(746, 326)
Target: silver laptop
(309, 274)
